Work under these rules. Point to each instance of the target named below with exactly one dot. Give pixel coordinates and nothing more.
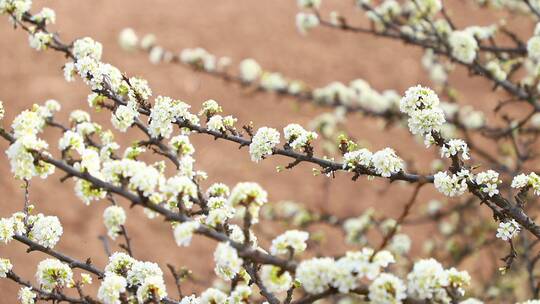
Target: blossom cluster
(425, 115)
(44, 230)
(488, 182)
(455, 146)
(428, 280)
(297, 137)
(113, 218)
(22, 152)
(124, 272)
(5, 267)
(524, 181)
(263, 143)
(292, 241)
(319, 274)
(451, 184)
(507, 230)
(384, 162)
(52, 274)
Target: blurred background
(264, 30)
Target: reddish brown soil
(244, 28)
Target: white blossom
(471, 119)
(248, 195)
(237, 234)
(71, 140)
(87, 192)
(297, 137)
(164, 112)
(6, 230)
(180, 187)
(315, 274)
(90, 161)
(455, 146)
(451, 185)
(418, 97)
(427, 280)
(124, 117)
(294, 240)
(218, 190)
(458, 280)
(228, 264)
(40, 40)
(182, 145)
(23, 164)
(361, 157)
(86, 279)
(488, 182)
(16, 7)
(240, 295)
(5, 267)
(156, 54)
(26, 295)
(520, 181)
(140, 271)
(152, 288)
(213, 296)
(386, 162)
(113, 218)
(45, 16)
(70, 71)
(51, 273)
(400, 244)
(531, 180)
(183, 232)
(356, 227)
(28, 123)
(119, 263)
(274, 279)
(533, 47)
(273, 82)
(210, 107)
(215, 123)
(305, 22)
(463, 45)
(139, 89)
(343, 274)
(387, 288)
(87, 47)
(111, 288)
(79, 116)
(128, 39)
(496, 70)
(19, 226)
(263, 143)
(199, 57)
(250, 70)
(425, 121)
(336, 91)
(365, 263)
(46, 231)
(508, 230)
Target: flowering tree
(493, 192)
